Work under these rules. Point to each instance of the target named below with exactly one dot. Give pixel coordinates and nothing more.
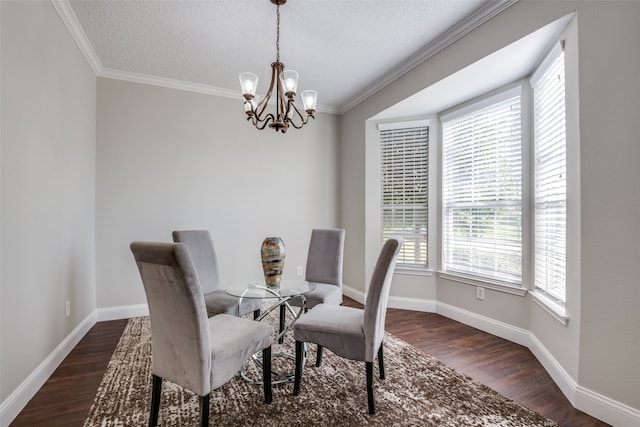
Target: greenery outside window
(404, 181)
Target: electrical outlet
(480, 293)
(299, 271)
(67, 307)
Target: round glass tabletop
(258, 289)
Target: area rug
(418, 391)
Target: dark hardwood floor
(65, 399)
(509, 368)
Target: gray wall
(600, 347)
(609, 156)
(170, 159)
(48, 192)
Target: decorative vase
(272, 252)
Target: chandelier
(285, 83)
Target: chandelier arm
(256, 120)
(300, 125)
(296, 110)
(262, 105)
(281, 100)
(253, 121)
(289, 114)
(303, 120)
(262, 123)
(260, 108)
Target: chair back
(181, 347)
(203, 255)
(375, 309)
(324, 260)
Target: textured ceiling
(341, 48)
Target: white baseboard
(12, 405)
(606, 409)
(558, 374)
(486, 324)
(415, 304)
(354, 294)
(122, 312)
(588, 401)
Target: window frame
(418, 266)
(554, 305)
(478, 104)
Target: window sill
(474, 281)
(557, 311)
(413, 271)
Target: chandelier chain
(278, 33)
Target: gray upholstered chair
(188, 348)
(324, 267)
(217, 300)
(350, 332)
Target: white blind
(550, 151)
(482, 191)
(404, 180)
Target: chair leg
(266, 374)
(319, 356)
(204, 410)
(256, 314)
(283, 316)
(298, 374)
(156, 389)
(369, 366)
(381, 362)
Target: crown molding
(71, 22)
(108, 73)
(79, 36)
(483, 15)
(466, 26)
(184, 85)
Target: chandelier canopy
(285, 83)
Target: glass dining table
(279, 298)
